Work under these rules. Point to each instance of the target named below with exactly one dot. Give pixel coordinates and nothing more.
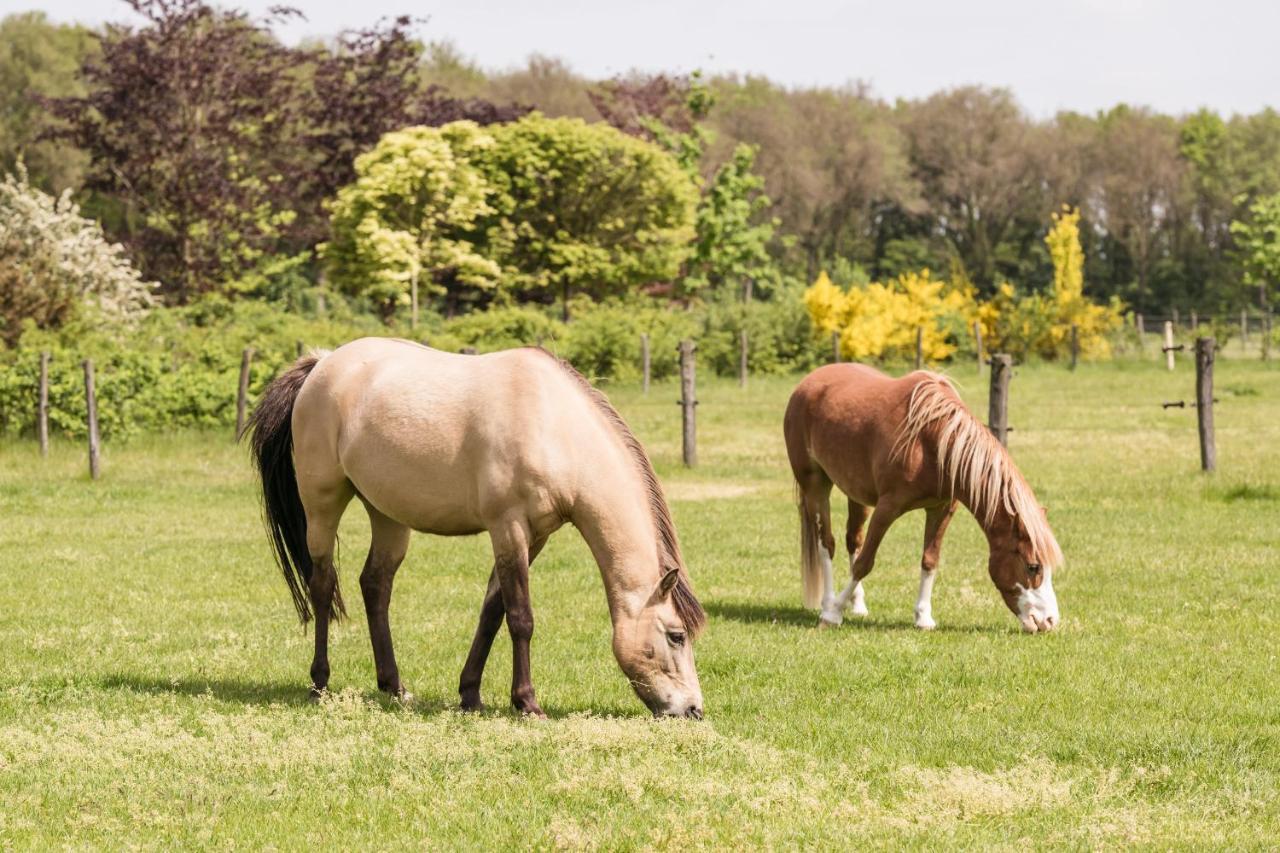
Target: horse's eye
(1033, 569)
(675, 638)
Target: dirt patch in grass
(708, 491)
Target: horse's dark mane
(682, 598)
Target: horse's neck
(613, 514)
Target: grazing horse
(513, 444)
(895, 445)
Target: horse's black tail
(286, 521)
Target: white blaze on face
(1038, 608)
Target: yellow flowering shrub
(1041, 325)
(879, 320)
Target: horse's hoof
(471, 704)
(926, 623)
(531, 710)
(315, 694)
(404, 697)
(859, 608)
(830, 620)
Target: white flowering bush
(55, 263)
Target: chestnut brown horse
(514, 444)
(896, 445)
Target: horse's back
(844, 419)
(433, 439)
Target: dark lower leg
(491, 613)
(375, 585)
(323, 580)
(513, 577)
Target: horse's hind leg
(324, 508)
(817, 544)
(853, 595)
(387, 548)
(935, 527)
(492, 612)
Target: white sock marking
(830, 610)
(924, 601)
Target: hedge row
(179, 367)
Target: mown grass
(153, 681)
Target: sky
(1085, 55)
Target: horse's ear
(668, 581)
(1044, 510)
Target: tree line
(214, 153)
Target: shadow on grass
(294, 694)
(799, 617)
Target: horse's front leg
(884, 514)
(507, 595)
(935, 527)
(511, 565)
(491, 613)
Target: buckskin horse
(896, 445)
(514, 444)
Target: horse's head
(655, 649)
(1023, 575)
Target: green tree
(584, 208)
(732, 237)
(1258, 241)
(412, 218)
(38, 60)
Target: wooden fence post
(1175, 316)
(1244, 327)
(242, 394)
(644, 360)
(835, 347)
(919, 347)
(977, 338)
(91, 404)
(742, 359)
(687, 403)
(1142, 333)
(1168, 344)
(42, 406)
(998, 405)
(1195, 321)
(1204, 402)
(1266, 335)
(1075, 345)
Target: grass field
(153, 679)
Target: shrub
(55, 264)
(879, 321)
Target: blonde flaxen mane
(972, 464)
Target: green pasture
(153, 677)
